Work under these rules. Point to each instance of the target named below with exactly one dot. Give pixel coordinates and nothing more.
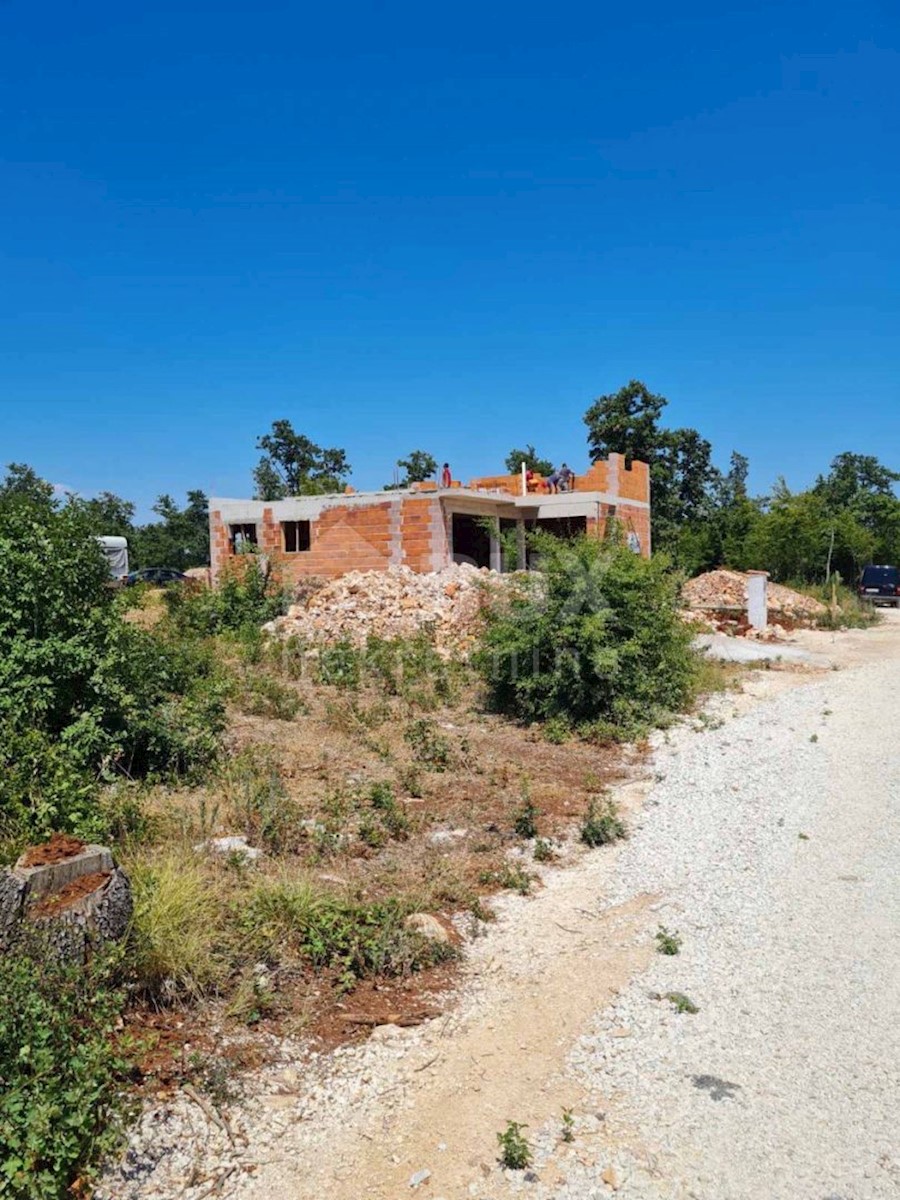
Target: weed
(510, 876)
(601, 824)
(813, 737)
(432, 749)
(340, 666)
(568, 1125)
(515, 1153)
(557, 730)
(525, 821)
(681, 1003)
(410, 780)
(804, 837)
(253, 999)
(214, 1075)
(543, 850)
(257, 801)
(667, 942)
(261, 695)
(393, 817)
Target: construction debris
(397, 603)
(718, 601)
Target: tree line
(702, 517)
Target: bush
(601, 826)
(61, 1076)
(595, 636)
(289, 916)
(85, 695)
(248, 595)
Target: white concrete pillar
(757, 599)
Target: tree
(528, 458)
(22, 483)
(626, 422)
(854, 478)
(180, 539)
(107, 514)
(682, 477)
(419, 466)
(293, 465)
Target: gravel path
(770, 839)
(775, 840)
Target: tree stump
(74, 895)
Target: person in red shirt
(446, 477)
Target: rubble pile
(391, 604)
(718, 600)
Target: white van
(116, 551)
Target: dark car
(881, 585)
(157, 576)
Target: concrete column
(757, 599)
(496, 554)
(521, 547)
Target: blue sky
(403, 225)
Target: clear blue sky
(411, 225)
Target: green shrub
(525, 821)
(667, 941)
(261, 695)
(340, 665)
(601, 824)
(289, 916)
(595, 635)
(84, 695)
(432, 750)
(246, 597)
(515, 1153)
(61, 1076)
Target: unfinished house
(426, 528)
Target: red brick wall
(348, 538)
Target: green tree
(179, 539)
(419, 466)
(682, 477)
(22, 483)
(528, 458)
(293, 465)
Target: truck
(116, 551)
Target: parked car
(157, 576)
(880, 585)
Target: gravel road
(775, 841)
(768, 836)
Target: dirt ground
(431, 1092)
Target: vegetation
(515, 1153)
(681, 1003)
(84, 695)
(417, 467)
(594, 640)
(293, 465)
(530, 459)
(706, 518)
(602, 824)
(61, 1074)
(667, 942)
(568, 1125)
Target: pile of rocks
(720, 598)
(391, 604)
